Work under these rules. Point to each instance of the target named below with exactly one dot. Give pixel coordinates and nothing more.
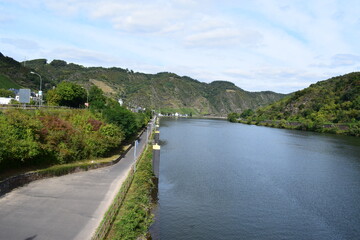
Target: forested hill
(333, 101)
(165, 91)
(14, 75)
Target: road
(66, 207)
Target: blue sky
(275, 45)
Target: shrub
(122, 118)
(32, 138)
(18, 138)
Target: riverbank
(198, 117)
(134, 216)
(350, 129)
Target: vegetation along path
(66, 207)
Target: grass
(134, 217)
(7, 83)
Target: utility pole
(40, 92)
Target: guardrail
(31, 107)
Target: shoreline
(330, 128)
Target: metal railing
(31, 107)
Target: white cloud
(285, 80)
(261, 44)
(339, 61)
(223, 37)
(345, 59)
(87, 57)
(21, 43)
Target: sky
(276, 45)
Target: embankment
(129, 216)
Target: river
(220, 180)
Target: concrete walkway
(66, 207)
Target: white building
(5, 100)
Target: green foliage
(18, 138)
(13, 101)
(6, 93)
(233, 117)
(153, 91)
(247, 113)
(323, 107)
(58, 63)
(6, 82)
(14, 74)
(49, 137)
(67, 94)
(122, 117)
(97, 100)
(320, 107)
(134, 217)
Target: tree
(232, 117)
(58, 63)
(67, 94)
(97, 100)
(247, 113)
(6, 93)
(122, 117)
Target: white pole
(40, 92)
(135, 144)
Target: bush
(67, 94)
(18, 138)
(6, 93)
(233, 117)
(48, 137)
(123, 118)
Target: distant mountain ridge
(165, 91)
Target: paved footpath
(66, 207)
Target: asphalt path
(66, 207)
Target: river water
(220, 180)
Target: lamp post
(40, 92)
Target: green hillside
(14, 75)
(331, 105)
(164, 91)
(6, 82)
